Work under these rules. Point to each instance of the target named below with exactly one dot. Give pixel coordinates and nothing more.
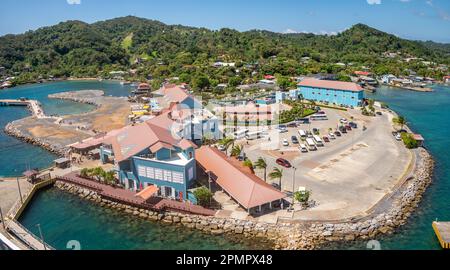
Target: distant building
(387, 79)
(341, 93)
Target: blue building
(149, 154)
(334, 92)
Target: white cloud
(374, 2)
(323, 32)
(290, 31)
(74, 2)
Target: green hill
(75, 48)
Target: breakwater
(291, 235)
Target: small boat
(125, 83)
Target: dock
(442, 230)
(33, 105)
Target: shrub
(203, 196)
(409, 141)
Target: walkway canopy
(246, 188)
(148, 192)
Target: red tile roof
(344, 86)
(362, 73)
(246, 188)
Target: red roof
(246, 188)
(344, 86)
(173, 93)
(144, 86)
(446, 77)
(269, 77)
(362, 73)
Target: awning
(147, 193)
(30, 173)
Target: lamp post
(20, 191)
(42, 236)
(293, 187)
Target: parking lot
(346, 176)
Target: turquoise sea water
(64, 217)
(16, 156)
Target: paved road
(347, 176)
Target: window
(141, 171)
(168, 176)
(150, 173)
(191, 173)
(159, 174)
(177, 177)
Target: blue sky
(412, 19)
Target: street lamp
(293, 187)
(20, 191)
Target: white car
(398, 137)
(221, 147)
(303, 148)
(285, 142)
(332, 136)
(343, 120)
(283, 130)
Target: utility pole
(20, 191)
(42, 236)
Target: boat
(125, 83)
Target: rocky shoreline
(303, 235)
(12, 130)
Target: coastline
(307, 235)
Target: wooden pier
(442, 230)
(13, 102)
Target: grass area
(127, 42)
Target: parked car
(348, 128)
(284, 163)
(332, 136)
(353, 125)
(398, 137)
(321, 112)
(337, 133)
(394, 133)
(303, 121)
(285, 142)
(292, 125)
(379, 113)
(303, 148)
(294, 140)
(326, 139)
(343, 120)
(342, 129)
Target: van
(302, 134)
(318, 141)
(311, 144)
(303, 148)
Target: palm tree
(227, 142)
(401, 121)
(262, 164)
(276, 174)
(249, 164)
(236, 150)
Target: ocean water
(427, 114)
(64, 217)
(16, 156)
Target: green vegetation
(302, 196)
(203, 196)
(262, 164)
(100, 175)
(400, 121)
(159, 51)
(298, 110)
(409, 141)
(276, 174)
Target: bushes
(409, 141)
(99, 174)
(203, 196)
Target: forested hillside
(158, 51)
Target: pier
(33, 105)
(442, 230)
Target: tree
(302, 196)
(276, 174)
(400, 121)
(249, 164)
(283, 82)
(203, 196)
(200, 82)
(226, 143)
(236, 150)
(409, 141)
(262, 164)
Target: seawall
(300, 235)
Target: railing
(26, 231)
